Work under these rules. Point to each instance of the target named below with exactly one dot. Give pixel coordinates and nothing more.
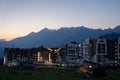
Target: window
(68, 51)
(115, 57)
(99, 51)
(71, 51)
(103, 51)
(101, 48)
(99, 45)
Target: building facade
(101, 51)
(73, 54)
(42, 56)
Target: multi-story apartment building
(101, 51)
(73, 54)
(15, 56)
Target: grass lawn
(49, 74)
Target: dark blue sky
(20, 17)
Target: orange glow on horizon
(9, 37)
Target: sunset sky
(20, 17)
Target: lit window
(115, 57)
(115, 61)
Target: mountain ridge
(61, 36)
(57, 38)
(53, 38)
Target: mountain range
(57, 38)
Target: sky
(20, 17)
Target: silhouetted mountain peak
(32, 33)
(73, 28)
(83, 27)
(45, 29)
(117, 27)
